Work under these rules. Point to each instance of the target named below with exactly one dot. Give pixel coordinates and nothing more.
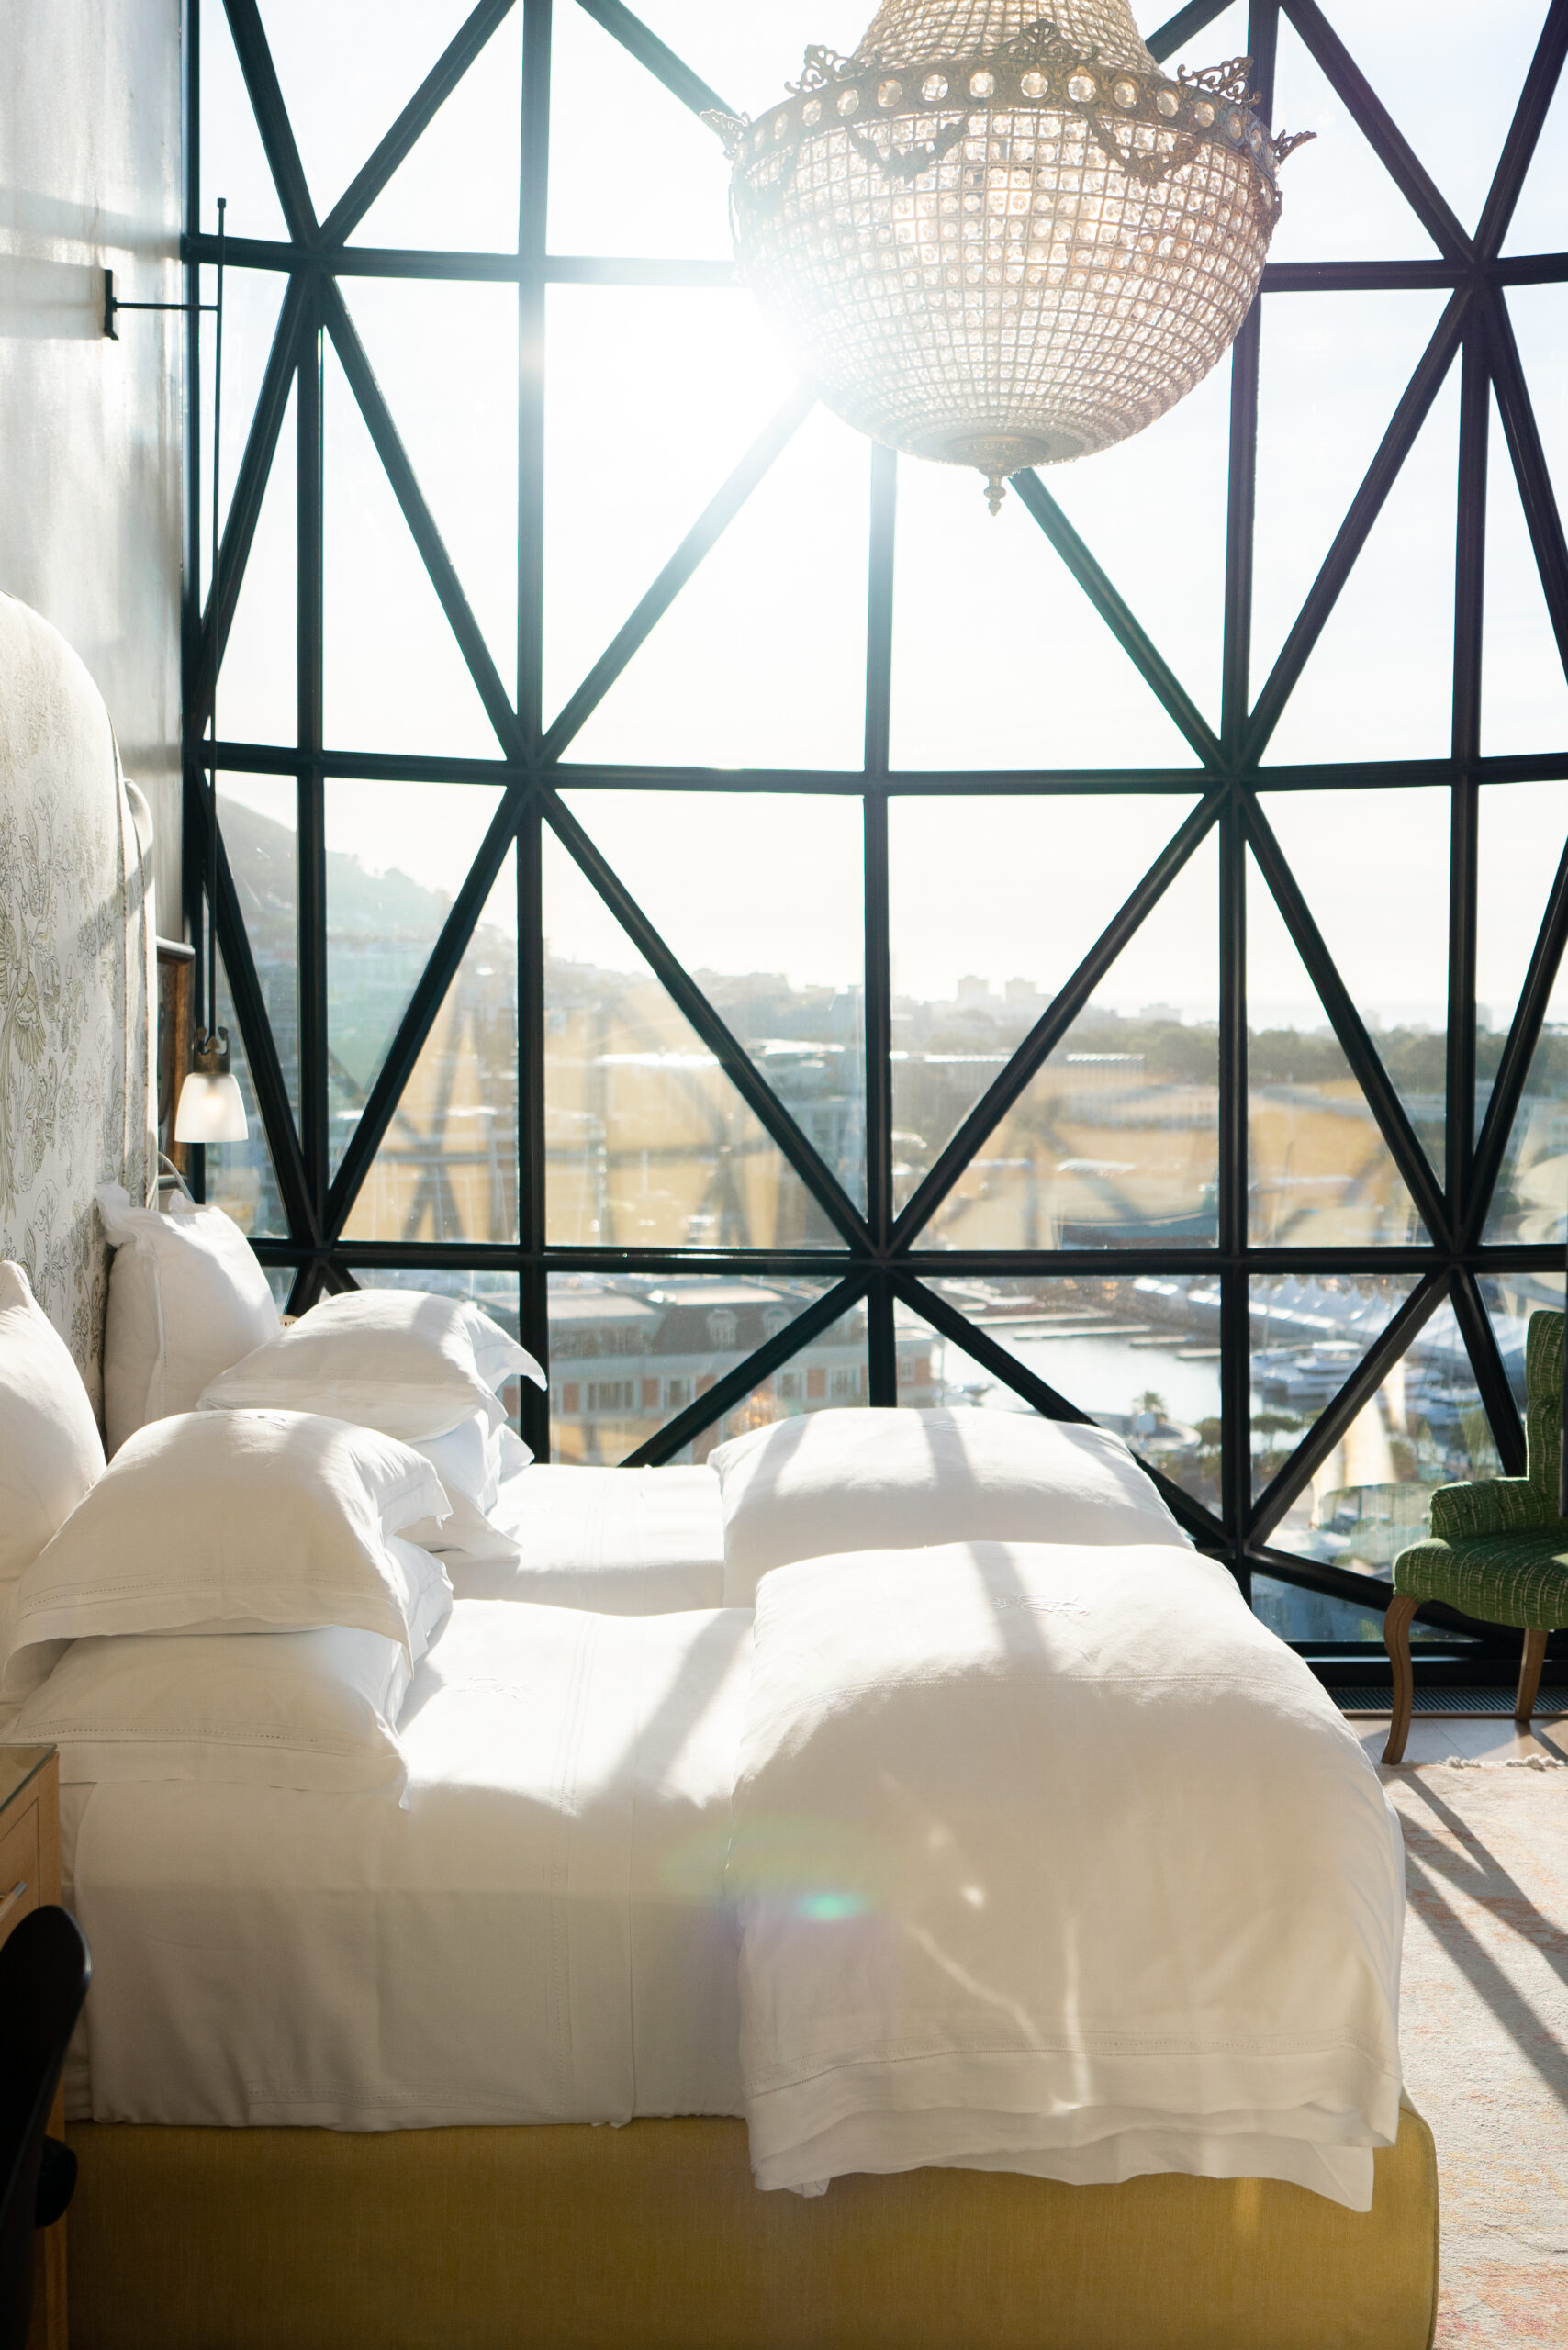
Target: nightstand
(30, 1876)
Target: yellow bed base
(653, 2237)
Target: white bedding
(540, 1936)
(623, 1541)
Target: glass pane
(783, 964)
(382, 924)
(1455, 121)
(1321, 1174)
(1522, 828)
(1530, 1202)
(1379, 683)
(445, 356)
(761, 659)
(1319, 423)
(258, 694)
(663, 390)
(1391, 947)
(1307, 1337)
(993, 904)
(1539, 224)
(239, 1176)
(629, 1352)
(632, 168)
(1511, 1299)
(1000, 660)
(748, 55)
(1113, 1143)
(457, 188)
(1539, 316)
(259, 816)
(233, 162)
(1339, 202)
(447, 1169)
(1426, 1427)
(648, 1144)
(497, 1294)
(347, 71)
(1524, 699)
(394, 678)
(1142, 1357)
(1310, 1616)
(251, 300)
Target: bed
(265, 2201)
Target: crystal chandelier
(1002, 240)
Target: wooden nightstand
(30, 1876)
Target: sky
(998, 659)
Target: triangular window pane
(1539, 224)
(1141, 1356)
(1524, 695)
(251, 300)
(1522, 830)
(1310, 1616)
(748, 55)
(394, 679)
(1426, 1427)
(705, 380)
(1510, 1300)
(447, 1169)
(1379, 682)
(1309, 1334)
(1391, 947)
(629, 1352)
(1000, 660)
(1540, 318)
(1319, 423)
(761, 659)
(993, 903)
(1455, 120)
(1114, 1144)
(445, 356)
(259, 816)
(240, 1175)
(1530, 1202)
(233, 161)
(1340, 204)
(648, 1145)
(456, 190)
(1321, 1175)
(346, 72)
(382, 923)
(762, 896)
(632, 168)
(258, 699)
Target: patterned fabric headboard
(76, 979)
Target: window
(1124, 982)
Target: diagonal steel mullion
(250, 489)
(1183, 27)
(709, 527)
(1411, 414)
(650, 50)
(422, 522)
(1053, 1026)
(731, 1056)
(1491, 1379)
(1134, 642)
(421, 109)
(977, 1342)
(1366, 1067)
(424, 1005)
(1356, 1394)
(1524, 131)
(1513, 1071)
(271, 119)
(738, 1383)
(1368, 111)
(1530, 470)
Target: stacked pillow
(186, 1299)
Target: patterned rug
(1486, 2037)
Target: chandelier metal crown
(1003, 240)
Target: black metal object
(877, 1259)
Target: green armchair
(1498, 1551)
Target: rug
(1484, 2031)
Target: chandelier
(1003, 240)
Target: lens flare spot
(831, 1908)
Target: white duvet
(1055, 1860)
(622, 1542)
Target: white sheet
(541, 1936)
(622, 1542)
(1054, 1859)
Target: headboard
(76, 979)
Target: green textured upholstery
(1499, 1549)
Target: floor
(1438, 1738)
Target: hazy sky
(999, 661)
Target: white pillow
(186, 1299)
(50, 1451)
(269, 1521)
(413, 1365)
(467, 1460)
(899, 1480)
(286, 1710)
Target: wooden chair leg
(1531, 1663)
(1397, 1640)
